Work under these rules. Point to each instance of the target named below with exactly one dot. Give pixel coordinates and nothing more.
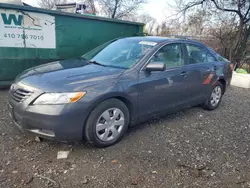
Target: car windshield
(122, 53)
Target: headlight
(59, 98)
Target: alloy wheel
(216, 96)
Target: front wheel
(215, 97)
(107, 123)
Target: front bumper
(57, 122)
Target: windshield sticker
(148, 43)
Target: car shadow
(158, 120)
(132, 131)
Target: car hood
(67, 75)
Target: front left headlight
(59, 98)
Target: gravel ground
(192, 148)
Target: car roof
(159, 39)
(151, 38)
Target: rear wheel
(107, 123)
(215, 97)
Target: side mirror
(156, 66)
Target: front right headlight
(59, 98)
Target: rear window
(197, 54)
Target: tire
(101, 128)
(209, 105)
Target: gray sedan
(126, 81)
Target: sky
(158, 9)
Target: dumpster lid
(54, 12)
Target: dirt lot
(193, 148)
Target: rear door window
(197, 54)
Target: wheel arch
(223, 82)
(117, 95)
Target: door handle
(215, 67)
(184, 73)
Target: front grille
(20, 95)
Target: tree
(120, 8)
(50, 4)
(225, 32)
(146, 19)
(163, 29)
(197, 23)
(236, 10)
(91, 7)
(143, 18)
(151, 26)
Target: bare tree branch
(226, 9)
(50, 4)
(120, 8)
(247, 13)
(91, 6)
(233, 35)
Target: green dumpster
(32, 36)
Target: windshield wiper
(96, 63)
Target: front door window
(171, 55)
